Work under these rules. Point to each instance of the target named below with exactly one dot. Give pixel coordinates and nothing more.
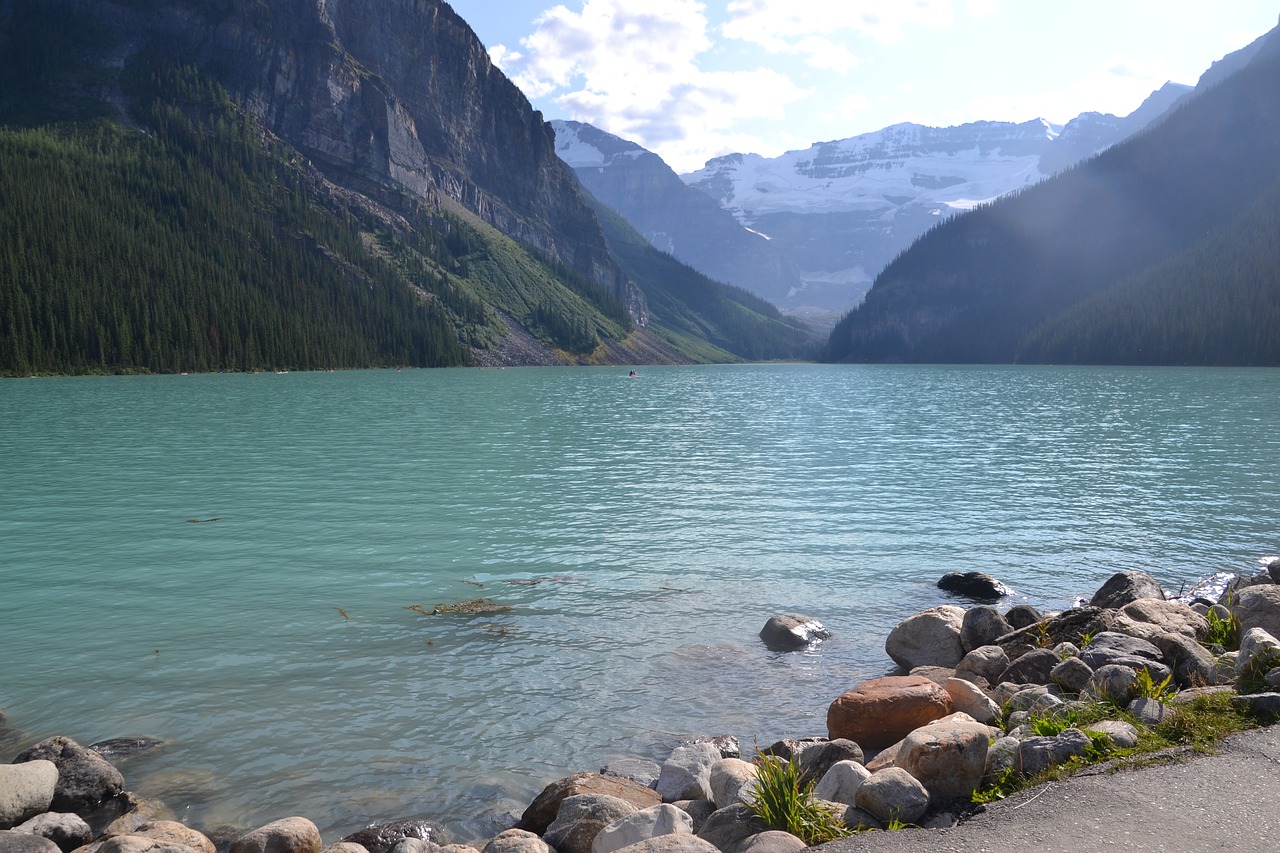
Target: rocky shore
(986, 698)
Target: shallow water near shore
(641, 531)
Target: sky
(696, 79)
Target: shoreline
(8, 737)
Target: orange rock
(883, 711)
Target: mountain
(1158, 250)
(839, 211)
(231, 184)
(673, 217)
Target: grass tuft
(781, 802)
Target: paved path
(1227, 801)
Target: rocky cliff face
(387, 97)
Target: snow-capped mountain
(842, 210)
(809, 230)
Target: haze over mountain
(310, 158)
(1160, 250)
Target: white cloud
(982, 8)
(772, 23)
(637, 74)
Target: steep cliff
(392, 97)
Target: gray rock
(1002, 756)
(639, 770)
(1272, 678)
(1151, 712)
(416, 845)
(350, 847)
(985, 662)
(664, 819)
(727, 828)
(790, 748)
(982, 626)
(817, 758)
(1273, 571)
(929, 638)
(1072, 675)
(841, 782)
(1220, 612)
(380, 838)
(1125, 587)
(1170, 616)
(12, 841)
(514, 841)
(937, 674)
(542, 811)
(1241, 582)
(1259, 651)
(1266, 705)
(732, 781)
(1038, 754)
(893, 794)
(1111, 647)
(68, 831)
(141, 844)
(772, 841)
(1115, 683)
(1258, 607)
(1022, 616)
(686, 774)
(968, 698)
(85, 778)
(784, 633)
(672, 844)
(288, 835)
(979, 586)
(1032, 668)
(697, 810)
(859, 820)
(580, 820)
(1192, 664)
(125, 747)
(1036, 697)
(1121, 734)
(26, 790)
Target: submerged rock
(979, 586)
(784, 633)
(1125, 587)
(85, 778)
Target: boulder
(1114, 682)
(12, 841)
(816, 759)
(68, 831)
(1151, 712)
(948, 757)
(884, 710)
(26, 790)
(672, 844)
(1072, 675)
(515, 841)
(1169, 616)
(416, 845)
(885, 757)
(1022, 616)
(1258, 607)
(1002, 756)
(1122, 735)
(784, 633)
(1112, 647)
(982, 626)
(773, 841)
(139, 844)
(985, 662)
(937, 674)
(640, 770)
(1192, 663)
(686, 774)
(1265, 705)
(288, 835)
(1038, 754)
(1032, 668)
(966, 697)
(1065, 627)
(893, 794)
(85, 778)
(1259, 651)
(542, 811)
(580, 820)
(729, 827)
(697, 810)
(979, 586)
(1242, 582)
(170, 831)
(841, 782)
(790, 748)
(381, 838)
(1034, 697)
(1125, 587)
(732, 781)
(351, 847)
(929, 638)
(655, 821)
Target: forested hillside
(1163, 224)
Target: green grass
(1224, 633)
(782, 803)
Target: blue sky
(693, 80)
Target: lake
(228, 562)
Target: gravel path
(1227, 801)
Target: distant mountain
(230, 184)
(673, 217)
(840, 211)
(1159, 250)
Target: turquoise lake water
(642, 531)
